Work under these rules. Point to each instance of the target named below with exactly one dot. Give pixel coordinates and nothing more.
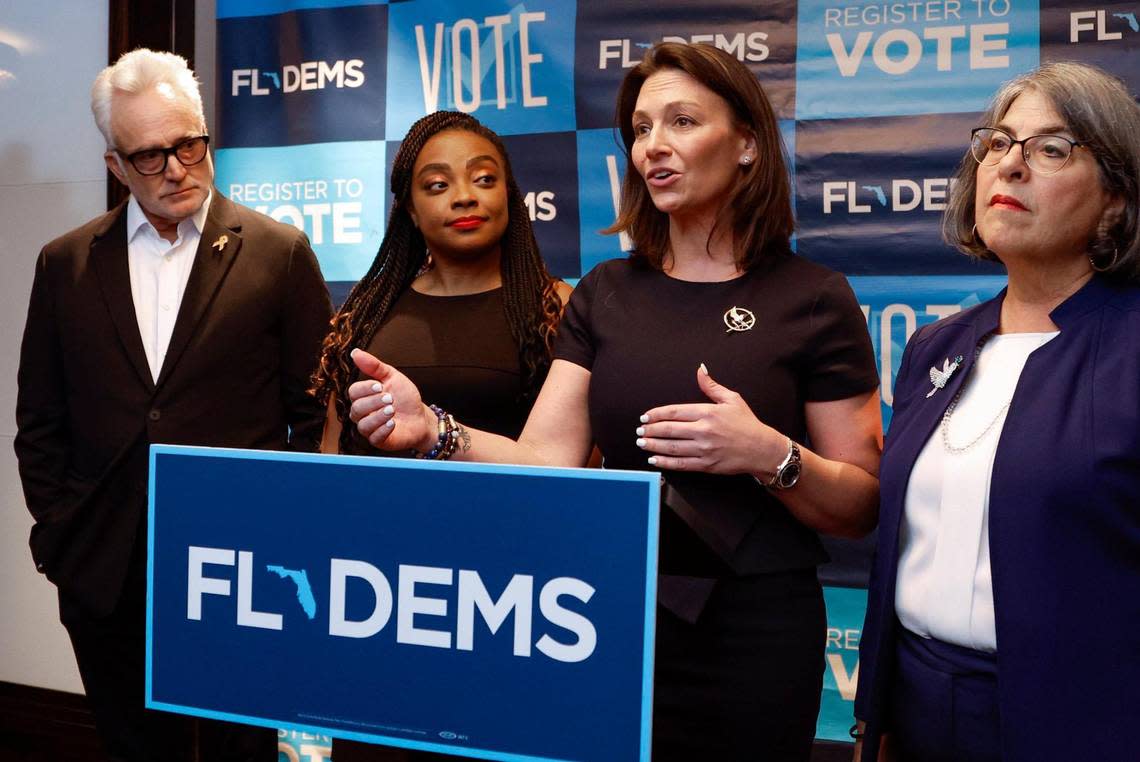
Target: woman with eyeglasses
(1005, 596)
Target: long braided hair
(530, 301)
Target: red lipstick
(467, 223)
(1007, 202)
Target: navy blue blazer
(1064, 528)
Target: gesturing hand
(387, 409)
(721, 437)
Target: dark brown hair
(530, 301)
(759, 210)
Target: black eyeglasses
(1044, 154)
(152, 161)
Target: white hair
(137, 72)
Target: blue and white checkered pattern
(875, 99)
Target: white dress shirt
(159, 272)
(944, 588)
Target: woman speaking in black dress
(458, 295)
(712, 291)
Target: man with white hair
(177, 317)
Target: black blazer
(245, 341)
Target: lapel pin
(221, 242)
(940, 377)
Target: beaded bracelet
(452, 435)
(441, 440)
(447, 442)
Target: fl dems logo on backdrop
(308, 75)
(612, 37)
(1101, 25)
(928, 194)
(471, 598)
(748, 47)
(280, 87)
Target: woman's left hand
(721, 437)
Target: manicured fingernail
(645, 418)
(640, 431)
(641, 443)
(703, 369)
(652, 461)
(353, 352)
(386, 398)
(389, 410)
(378, 387)
(391, 422)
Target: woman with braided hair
(458, 292)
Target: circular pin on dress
(739, 319)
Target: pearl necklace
(969, 445)
(945, 427)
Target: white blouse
(944, 589)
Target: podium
(495, 612)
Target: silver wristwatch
(788, 472)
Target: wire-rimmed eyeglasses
(1045, 154)
(152, 161)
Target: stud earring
(746, 160)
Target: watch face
(790, 475)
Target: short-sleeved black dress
(741, 626)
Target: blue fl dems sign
(489, 611)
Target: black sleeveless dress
(459, 352)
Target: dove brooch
(940, 377)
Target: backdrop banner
(498, 612)
(875, 100)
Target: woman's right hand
(387, 409)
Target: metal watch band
(789, 467)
